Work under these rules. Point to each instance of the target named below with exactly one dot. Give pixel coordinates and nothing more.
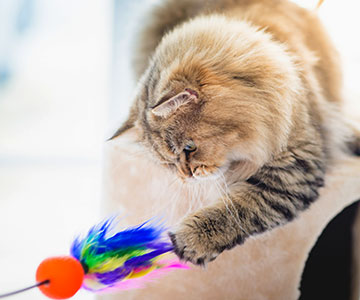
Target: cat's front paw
(194, 242)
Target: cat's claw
(192, 245)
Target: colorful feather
(123, 260)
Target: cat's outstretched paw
(192, 243)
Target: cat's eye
(190, 147)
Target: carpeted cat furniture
(269, 266)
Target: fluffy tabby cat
(246, 88)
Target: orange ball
(65, 274)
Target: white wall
(52, 128)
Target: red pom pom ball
(65, 275)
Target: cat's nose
(184, 170)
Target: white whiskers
(223, 189)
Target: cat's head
(218, 94)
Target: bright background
(65, 83)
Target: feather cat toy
(101, 262)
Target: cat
(247, 90)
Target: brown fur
(256, 86)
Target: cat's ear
(127, 125)
(168, 107)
